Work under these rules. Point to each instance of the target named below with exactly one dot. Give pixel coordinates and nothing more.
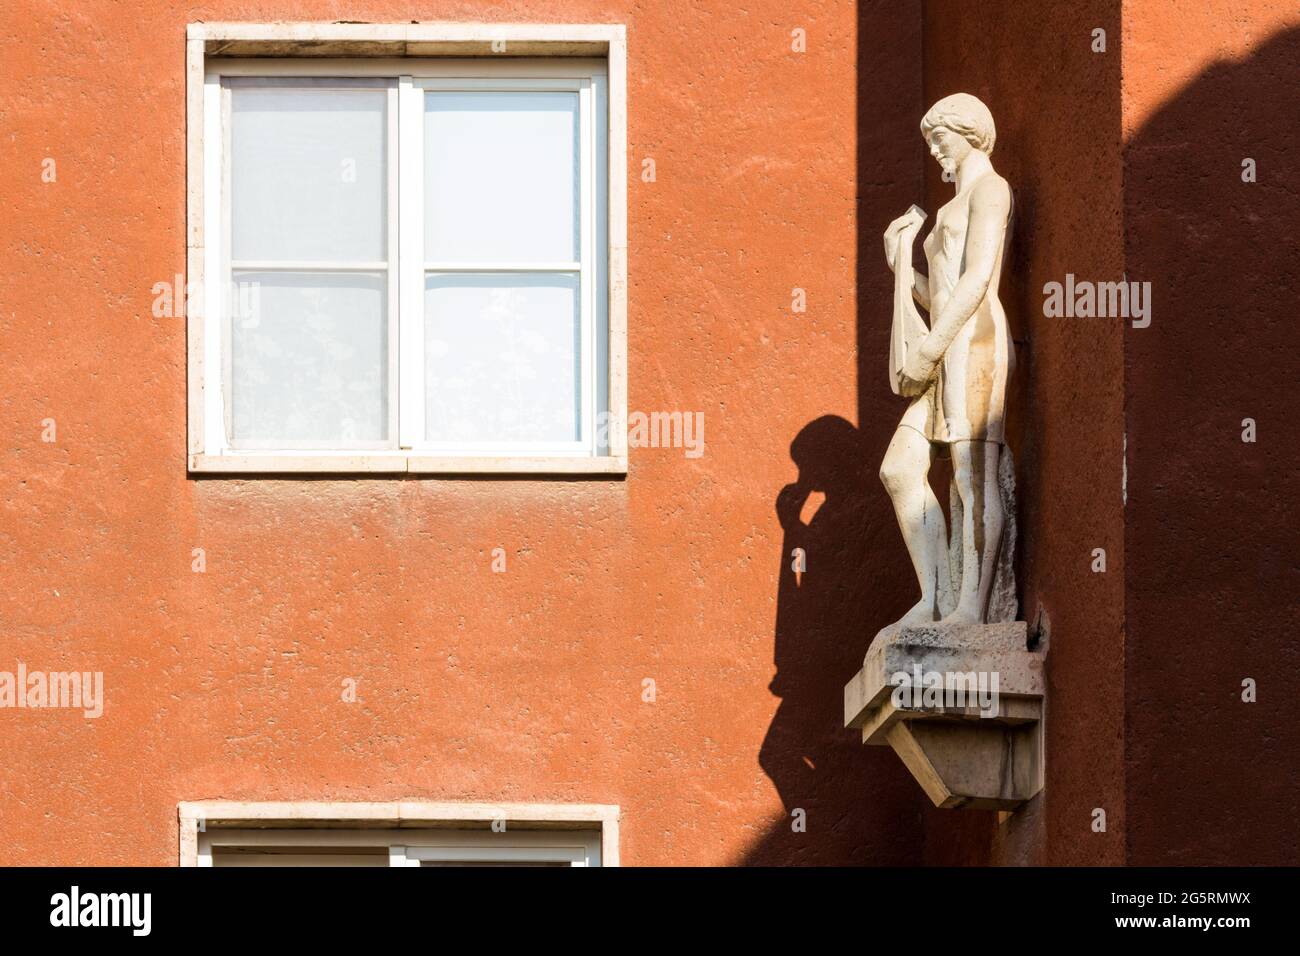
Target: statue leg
(975, 471)
(905, 474)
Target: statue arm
(921, 290)
(990, 207)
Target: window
(411, 264)
(319, 847)
(412, 833)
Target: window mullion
(503, 266)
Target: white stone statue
(955, 371)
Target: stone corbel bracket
(962, 751)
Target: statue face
(948, 148)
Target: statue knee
(962, 477)
(896, 476)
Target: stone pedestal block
(962, 705)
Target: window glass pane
(502, 358)
(501, 177)
(307, 174)
(309, 357)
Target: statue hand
(918, 372)
(907, 224)
(907, 219)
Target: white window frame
(412, 832)
(406, 847)
(567, 847)
(409, 59)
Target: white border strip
(600, 35)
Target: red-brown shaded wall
(1147, 661)
(1056, 105)
(522, 686)
(1213, 568)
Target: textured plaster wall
(527, 685)
(1129, 163)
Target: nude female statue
(955, 371)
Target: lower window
(398, 847)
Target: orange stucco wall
(472, 685)
(775, 170)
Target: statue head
(954, 126)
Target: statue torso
(945, 251)
(969, 395)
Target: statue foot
(922, 612)
(963, 615)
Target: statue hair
(966, 116)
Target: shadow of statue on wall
(841, 799)
(859, 804)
